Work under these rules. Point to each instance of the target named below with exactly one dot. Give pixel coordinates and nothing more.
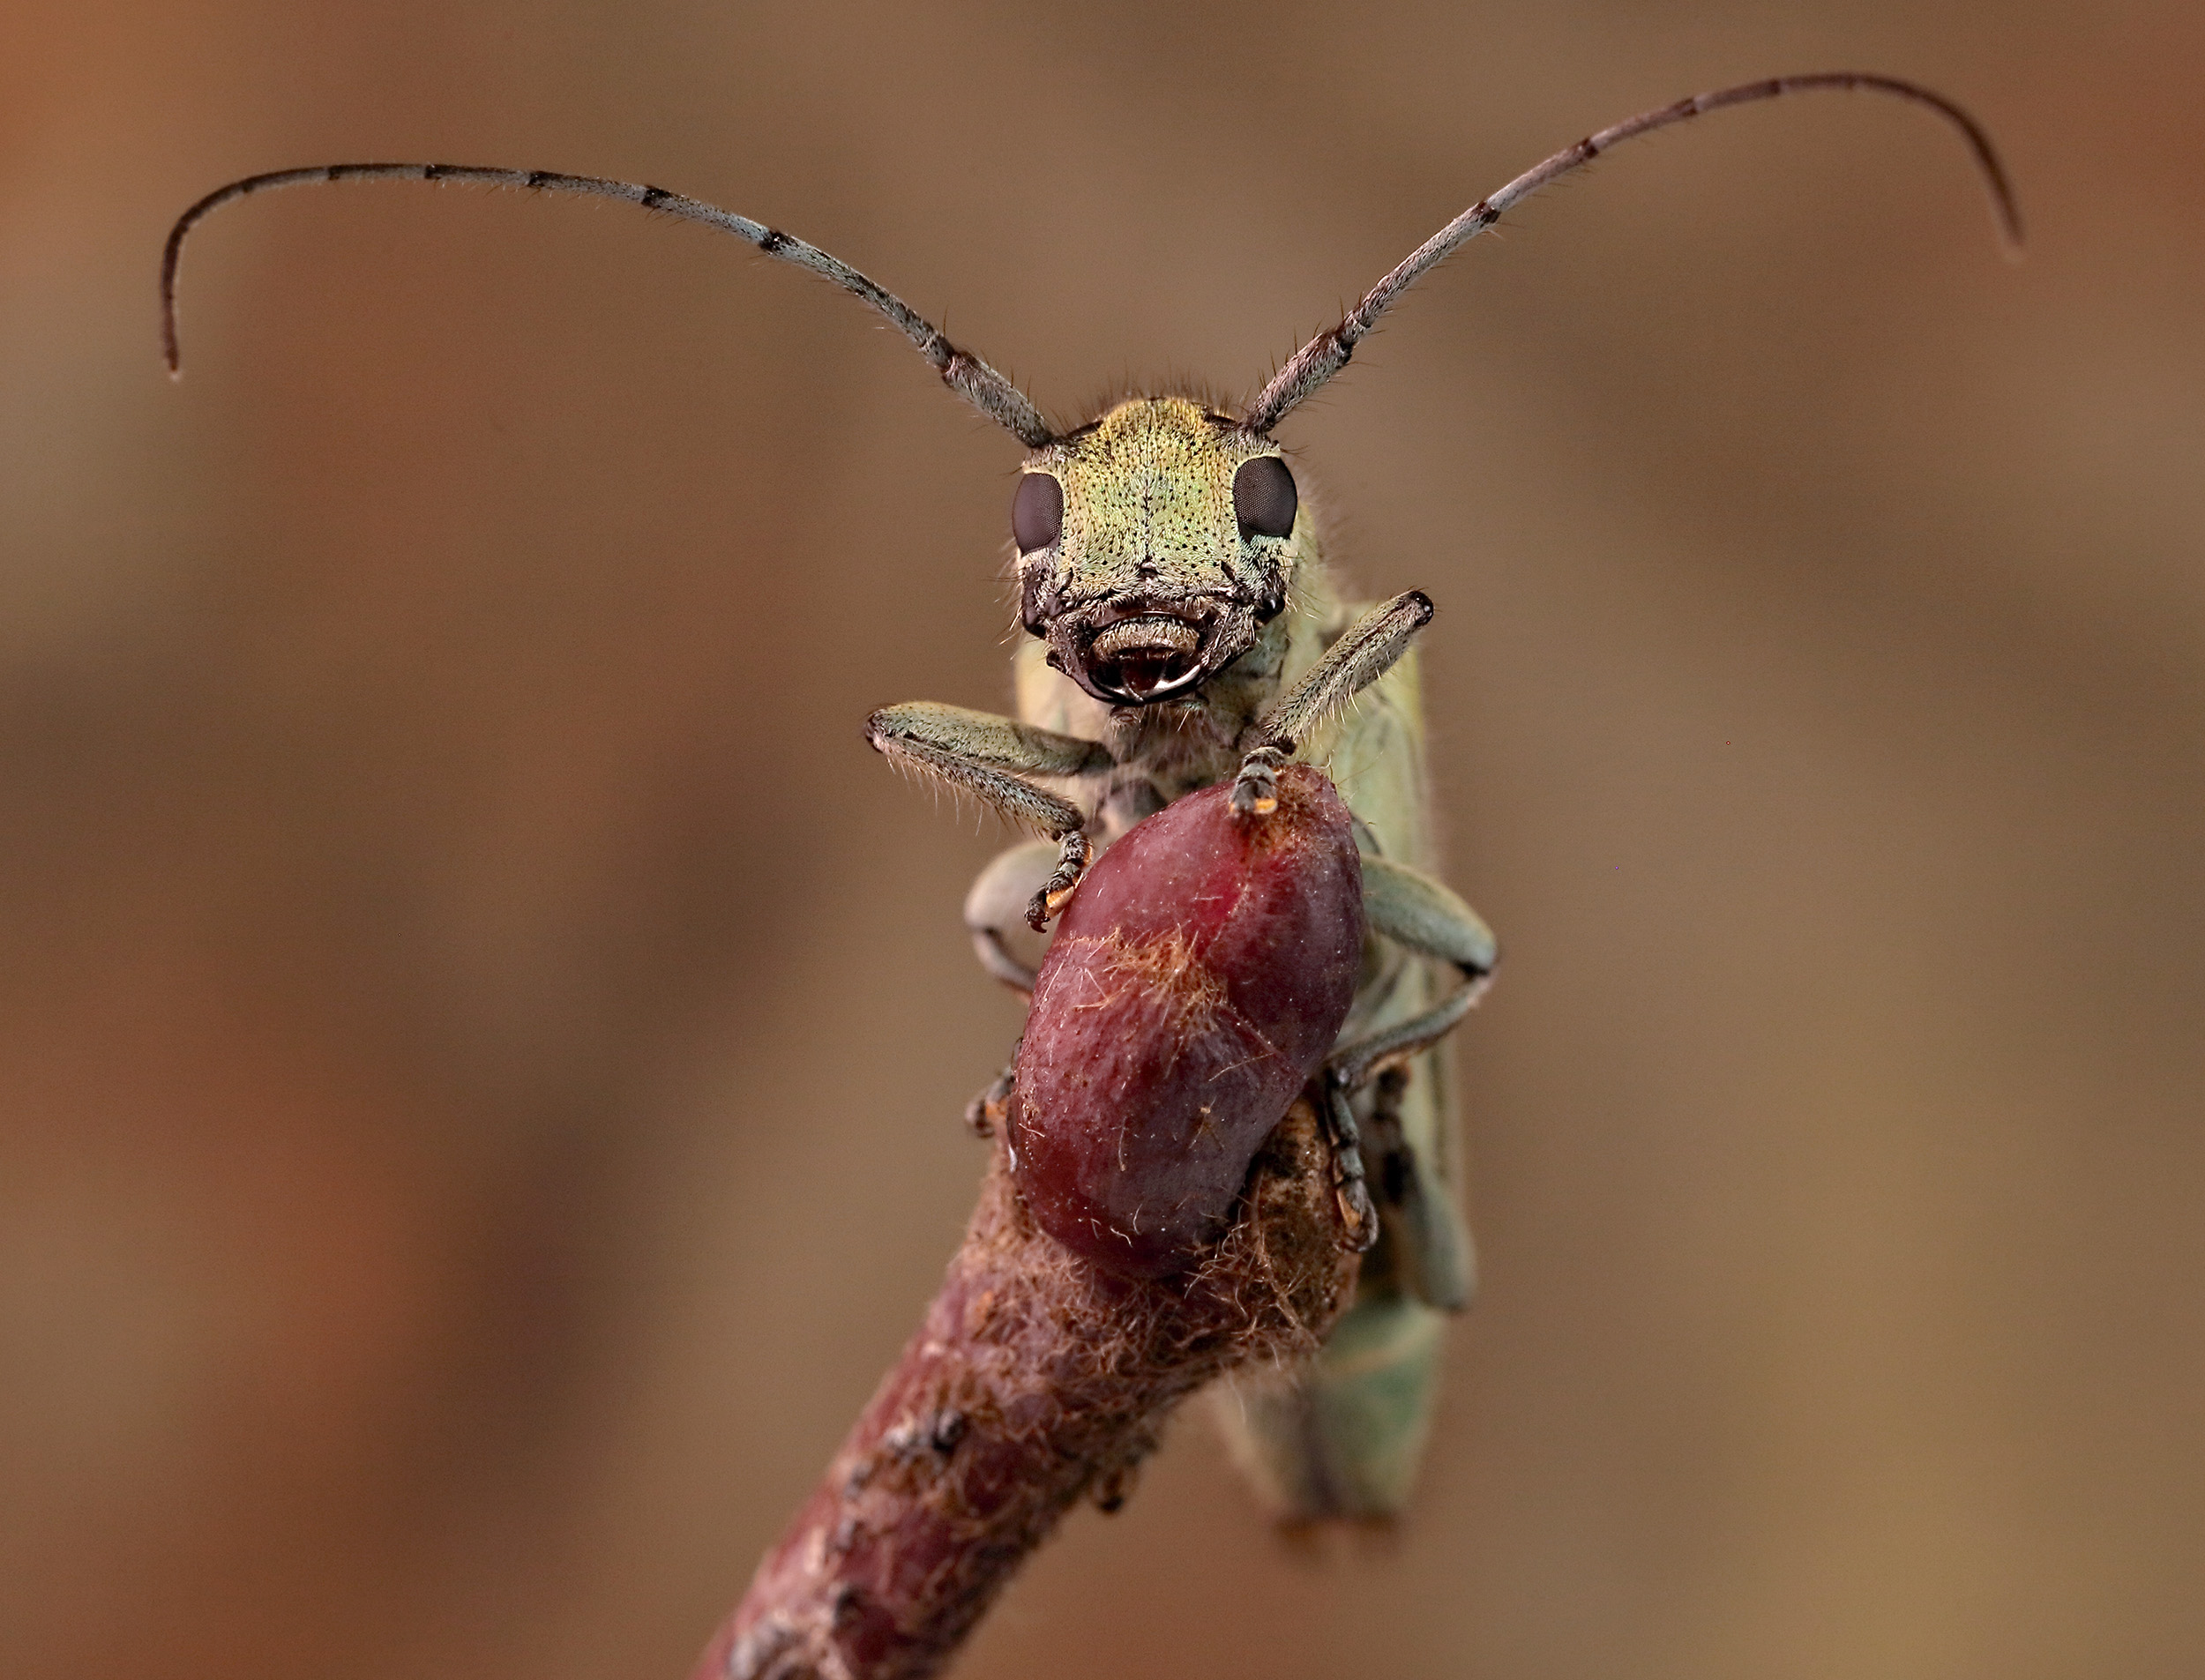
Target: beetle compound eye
(1037, 512)
(1264, 497)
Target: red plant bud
(1161, 1209)
(1198, 980)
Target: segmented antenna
(965, 374)
(1324, 355)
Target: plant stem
(1036, 1379)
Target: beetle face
(1153, 545)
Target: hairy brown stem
(1036, 1379)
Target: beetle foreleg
(1072, 864)
(1371, 646)
(1256, 789)
(991, 758)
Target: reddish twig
(1036, 1379)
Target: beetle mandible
(1184, 630)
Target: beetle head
(1153, 546)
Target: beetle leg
(1409, 907)
(1430, 1244)
(1348, 1181)
(986, 1113)
(995, 906)
(1354, 1065)
(993, 759)
(1370, 647)
(1432, 1250)
(1256, 789)
(1072, 864)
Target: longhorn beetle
(1183, 630)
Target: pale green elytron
(1186, 632)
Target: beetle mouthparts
(1145, 658)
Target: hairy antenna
(1324, 355)
(965, 374)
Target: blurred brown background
(479, 1116)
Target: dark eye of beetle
(1037, 512)
(1264, 497)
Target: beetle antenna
(1324, 355)
(965, 374)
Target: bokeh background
(483, 1039)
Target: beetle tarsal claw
(1256, 789)
(1064, 881)
(1357, 1216)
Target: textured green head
(1153, 544)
